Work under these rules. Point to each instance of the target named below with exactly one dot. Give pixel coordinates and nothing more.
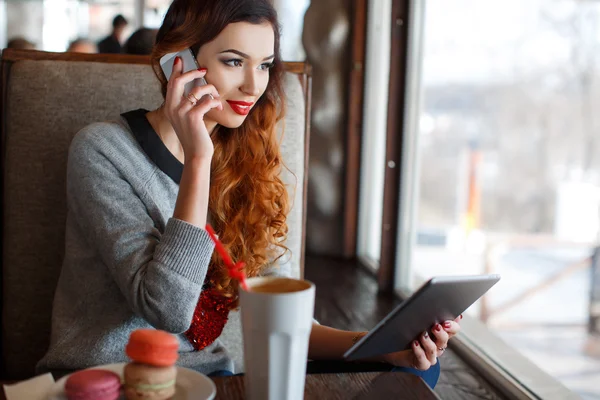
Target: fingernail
(176, 61)
(425, 334)
(416, 344)
(447, 324)
(460, 316)
(202, 69)
(438, 327)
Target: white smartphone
(189, 64)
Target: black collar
(152, 145)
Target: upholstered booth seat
(47, 98)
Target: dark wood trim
(4, 73)
(307, 113)
(300, 68)
(400, 28)
(19, 55)
(306, 81)
(354, 127)
(13, 55)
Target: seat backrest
(46, 99)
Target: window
(52, 24)
(509, 168)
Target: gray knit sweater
(128, 264)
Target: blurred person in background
(20, 43)
(112, 43)
(141, 41)
(82, 45)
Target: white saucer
(190, 385)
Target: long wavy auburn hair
(248, 202)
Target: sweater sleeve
(159, 274)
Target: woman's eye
(267, 66)
(234, 62)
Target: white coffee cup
(277, 317)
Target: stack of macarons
(152, 373)
(93, 384)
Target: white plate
(190, 385)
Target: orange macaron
(152, 347)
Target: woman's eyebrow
(244, 55)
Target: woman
(141, 189)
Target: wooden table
(360, 386)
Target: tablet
(438, 300)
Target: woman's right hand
(186, 116)
(427, 348)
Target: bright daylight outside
(510, 170)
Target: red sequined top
(210, 316)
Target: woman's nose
(250, 85)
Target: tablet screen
(438, 300)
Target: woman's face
(238, 62)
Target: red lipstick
(240, 107)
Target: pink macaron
(93, 384)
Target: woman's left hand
(427, 348)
